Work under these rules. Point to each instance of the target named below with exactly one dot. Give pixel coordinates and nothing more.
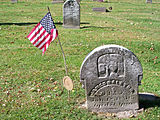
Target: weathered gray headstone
(14, 1)
(148, 1)
(71, 14)
(110, 75)
(57, 1)
(99, 9)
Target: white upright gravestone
(71, 14)
(110, 75)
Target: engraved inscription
(100, 89)
(113, 95)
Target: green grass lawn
(31, 84)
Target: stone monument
(57, 1)
(14, 1)
(110, 75)
(71, 14)
(99, 0)
(99, 9)
(148, 1)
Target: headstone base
(71, 27)
(123, 114)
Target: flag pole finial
(48, 9)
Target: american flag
(43, 33)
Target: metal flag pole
(48, 9)
(65, 69)
(63, 56)
(62, 51)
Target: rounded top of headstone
(101, 48)
(110, 62)
(68, 1)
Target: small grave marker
(57, 1)
(110, 75)
(148, 1)
(71, 14)
(100, 0)
(14, 1)
(99, 9)
(67, 83)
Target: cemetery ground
(31, 84)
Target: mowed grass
(31, 84)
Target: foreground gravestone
(148, 1)
(110, 75)
(57, 1)
(14, 1)
(71, 14)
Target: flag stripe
(42, 40)
(33, 30)
(44, 45)
(54, 34)
(36, 34)
(40, 36)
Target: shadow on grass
(148, 101)
(23, 24)
(112, 28)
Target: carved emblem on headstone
(71, 14)
(110, 75)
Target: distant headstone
(71, 14)
(57, 1)
(99, 9)
(100, 0)
(148, 1)
(14, 1)
(110, 75)
(78, 1)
